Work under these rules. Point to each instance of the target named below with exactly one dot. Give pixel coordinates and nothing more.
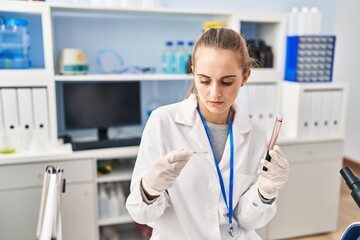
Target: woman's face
(218, 78)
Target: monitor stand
(102, 134)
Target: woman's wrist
(148, 195)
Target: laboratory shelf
(265, 75)
(25, 75)
(123, 77)
(116, 175)
(65, 9)
(260, 75)
(122, 219)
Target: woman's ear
(246, 76)
(192, 69)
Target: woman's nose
(215, 90)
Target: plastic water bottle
(180, 58)
(121, 198)
(189, 48)
(14, 44)
(103, 202)
(113, 204)
(168, 58)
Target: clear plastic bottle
(121, 198)
(113, 203)
(180, 58)
(103, 202)
(168, 58)
(15, 44)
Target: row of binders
(313, 112)
(321, 113)
(259, 103)
(24, 118)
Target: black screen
(101, 105)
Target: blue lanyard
(231, 178)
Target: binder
(336, 102)
(305, 122)
(316, 104)
(40, 110)
(10, 111)
(243, 100)
(326, 112)
(49, 220)
(260, 105)
(10, 120)
(2, 137)
(269, 103)
(26, 122)
(24, 100)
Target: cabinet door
(79, 212)
(20, 210)
(19, 213)
(308, 204)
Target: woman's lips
(215, 103)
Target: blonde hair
(223, 38)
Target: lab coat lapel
(241, 125)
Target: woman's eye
(227, 83)
(204, 81)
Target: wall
(347, 49)
(328, 8)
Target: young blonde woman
(198, 174)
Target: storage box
(309, 58)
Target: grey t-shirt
(219, 134)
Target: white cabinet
(309, 202)
(20, 193)
(113, 189)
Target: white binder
(326, 113)
(243, 100)
(269, 103)
(24, 99)
(305, 122)
(9, 106)
(40, 110)
(10, 120)
(2, 137)
(260, 106)
(25, 108)
(316, 113)
(336, 102)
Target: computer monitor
(100, 105)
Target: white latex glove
(163, 173)
(272, 180)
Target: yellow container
(212, 24)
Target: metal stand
(49, 221)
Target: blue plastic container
(310, 58)
(14, 44)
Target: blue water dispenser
(14, 44)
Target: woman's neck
(221, 118)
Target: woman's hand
(163, 173)
(272, 180)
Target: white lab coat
(193, 208)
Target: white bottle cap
(304, 9)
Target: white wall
(327, 7)
(347, 64)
